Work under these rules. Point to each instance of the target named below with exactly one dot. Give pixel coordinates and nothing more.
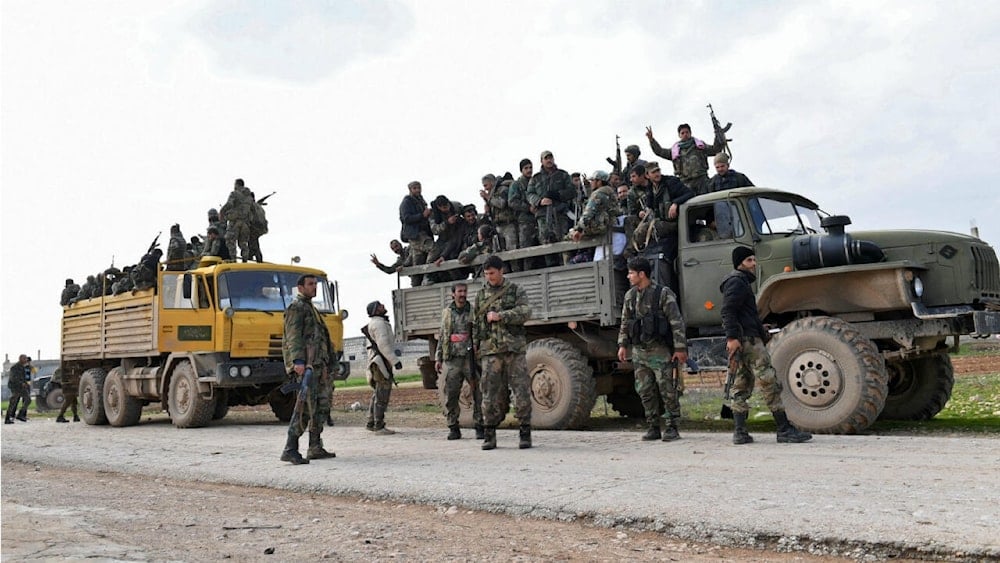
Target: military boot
(291, 452)
(454, 433)
(525, 435)
(61, 418)
(671, 434)
(490, 437)
(381, 430)
(316, 450)
(7, 421)
(788, 433)
(370, 426)
(22, 416)
(480, 432)
(329, 420)
(653, 433)
(76, 418)
(740, 434)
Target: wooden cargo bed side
(116, 327)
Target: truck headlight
(918, 287)
(234, 371)
(245, 371)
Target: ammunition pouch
(651, 329)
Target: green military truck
(863, 322)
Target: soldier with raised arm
(690, 157)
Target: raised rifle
(735, 359)
(616, 164)
(263, 200)
(156, 241)
(388, 364)
(720, 133)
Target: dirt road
(853, 496)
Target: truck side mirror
(186, 286)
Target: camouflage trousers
(419, 249)
(502, 374)
(755, 362)
(700, 185)
(456, 373)
(253, 247)
(654, 381)
(381, 391)
(238, 233)
(316, 406)
(527, 236)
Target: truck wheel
(187, 407)
(918, 388)
(627, 404)
(283, 405)
(465, 418)
(120, 408)
(221, 404)
(92, 396)
(834, 379)
(55, 399)
(562, 385)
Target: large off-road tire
(188, 409)
(92, 396)
(221, 404)
(562, 385)
(627, 403)
(834, 379)
(283, 405)
(55, 399)
(465, 418)
(119, 407)
(918, 388)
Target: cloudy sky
(118, 119)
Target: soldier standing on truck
(690, 157)
(499, 341)
(237, 212)
(69, 391)
(524, 216)
(745, 339)
(457, 360)
(380, 370)
(306, 348)
(414, 216)
(653, 327)
(726, 178)
(176, 259)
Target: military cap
(722, 158)
(741, 253)
(372, 307)
(601, 175)
(524, 162)
(69, 282)
(545, 154)
(652, 166)
(632, 149)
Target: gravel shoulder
(850, 496)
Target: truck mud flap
(986, 322)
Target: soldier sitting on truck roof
(215, 245)
(86, 291)
(144, 274)
(446, 224)
(69, 292)
(124, 282)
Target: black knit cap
(372, 307)
(741, 253)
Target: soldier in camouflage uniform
(237, 211)
(746, 337)
(551, 193)
(455, 357)
(69, 292)
(380, 371)
(256, 227)
(601, 209)
(123, 283)
(214, 245)
(690, 157)
(402, 259)
(414, 217)
(725, 177)
(69, 391)
(215, 221)
(502, 215)
(524, 217)
(87, 290)
(19, 383)
(499, 341)
(653, 327)
(632, 162)
(306, 345)
(176, 248)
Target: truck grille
(274, 346)
(987, 270)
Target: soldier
(197, 245)
(615, 180)
(69, 292)
(725, 177)
(256, 227)
(551, 192)
(215, 221)
(69, 391)
(690, 157)
(455, 356)
(601, 208)
(402, 260)
(622, 191)
(484, 244)
(501, 214)
(19, 383)
(746, 338)
(237, 212)
(306, 348)
(653, 327)
(124, 282)
(470, 226)
(176, 248)
(87, 290)
(214, 245)
(144, 274)
(380, 371)
(660, 209)
(416, 227)
(524, 217)
(499, 314)
(632, 161)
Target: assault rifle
(735, 359)
(720, 133)
(152, 245)
(471, 352)
(616, 164)
(263, 200)
(303, 395)
(374, 346)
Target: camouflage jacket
(640, 304)
(506, 335)
(89, 289)
(454, 338)
(730, 180)
(555, 185)
(402, 259)
(691, 161)
(517, 200)
(306, 336)
(498, 205)
(175, 252)
(638, 197)
(602, 206)
(68, 293)
(474, 250)
(237, 207)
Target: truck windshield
(267, 291)
(775, 217)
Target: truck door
(186, 313)
(705, 257)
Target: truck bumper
(986, 322)
(245, 373)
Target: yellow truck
(197, 343)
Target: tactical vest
(653, 327)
